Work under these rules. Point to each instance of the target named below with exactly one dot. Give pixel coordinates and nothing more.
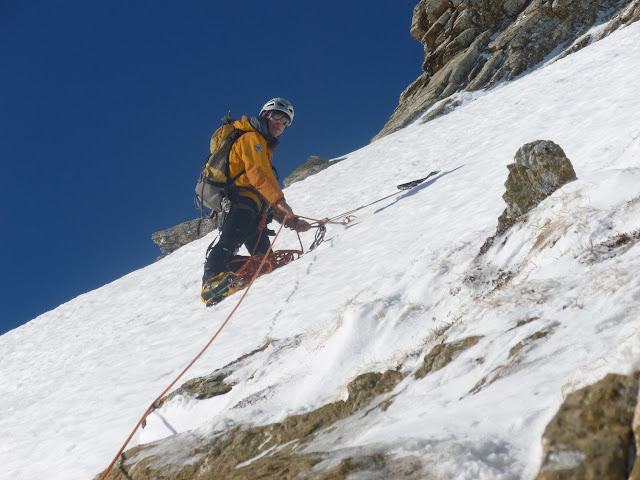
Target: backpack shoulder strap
(231, 139)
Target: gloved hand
(297, 224)
(301, 225)
(290, 220)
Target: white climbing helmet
(280, 104)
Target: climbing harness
(245, 268)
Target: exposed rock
(443, 354)
(471, 45)
(202, 387)
(364, 388)
(612, 247)
(214, 384)
(525, 321)
(591, 436)
(517, 357)
(269, 451)
(628, 14)
(175, 237)
(635, 473)
(539, 169)
(311, 167)
(518, 347)
(445, 107)
(372, 463)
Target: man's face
(278, 122)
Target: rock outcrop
(277, 450)
(175, 237)
(443, 354)
(471, 45)
(268, 451)
(539, 169)
(312, 166)
(591, 435)
(635, 472)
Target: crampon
(241, 270)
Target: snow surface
(378, 294)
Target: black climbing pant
(241, 227)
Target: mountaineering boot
(218, 287)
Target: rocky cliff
(173, 238)
(313, 165)
(473, 45)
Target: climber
(257, 196)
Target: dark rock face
(269, 451)
(471, 45)
(591, 435)
(635, 472)
(539, 169)
(175, 237)
(311, 167)
(443, 354)
(202, 388)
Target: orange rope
(259, 264)
(152, 407)
(250, 265)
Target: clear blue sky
(107, 108)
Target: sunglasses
(281, 117)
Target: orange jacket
(251, 154)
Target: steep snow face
(376, 295)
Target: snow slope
(377, 295)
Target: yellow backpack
(215, 182)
